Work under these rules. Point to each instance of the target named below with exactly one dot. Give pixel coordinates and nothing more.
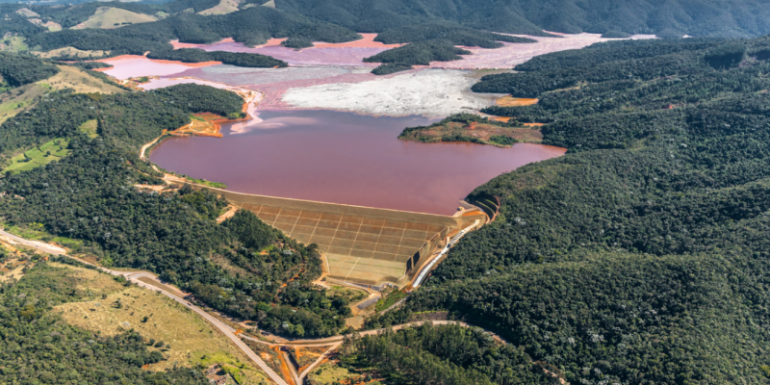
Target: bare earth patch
(510, 101)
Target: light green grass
(14, 44)
(207, 183)
(40, 156)
(90, 128)
(241, 372)
(329, 374)
(13, 105)
(389, 300)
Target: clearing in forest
(39, 156)
(22, 98)
(224, 7)
(108, 18)
(183, 337)
(510, 101)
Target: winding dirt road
(150, 281)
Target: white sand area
(429, 92)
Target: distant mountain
(666, 18)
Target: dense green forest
(455, 34)
(421, 53)
(638, 256)
(448, 354)
(675, 18)
(194, 55)
(252, 26)
(18, 70)
(38, 347)
(742, 18)
(237, 267)
(464, 127)
(125, 120)
(429, 42)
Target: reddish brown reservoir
(344, 158)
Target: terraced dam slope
(362, 244)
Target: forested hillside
(448, 354)
(614, 18)
(39, 347)
(251, 26)
(238, 267)
(638, 256)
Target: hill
(741, 18)
(109, 17)
(635, 253)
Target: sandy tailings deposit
(430, 92)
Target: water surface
(345, 158)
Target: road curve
(134, 277)
(333, 342)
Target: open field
(39, 156)
(26, 12)
(80, 81)
(224, 7)
(329, 373)
(36, 232)
(108, 18)
(12, 269)
(187, 340)
(51, 25)
(13, 44)
(90, 128)
(74, 78)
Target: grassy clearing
(185, 339)
(39, 156)
(349, 294)
(13, 269)
(207, 183)
(224, 7)
(80, 81)
(36, 232)
(13, 44)
(329, 374)
(108, 18)
(389, 300)
(22, 98)
(90, 128)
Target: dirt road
(135, 278)
(150, 281)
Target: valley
(400, 193)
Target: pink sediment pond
(349, 53)
(512, 54)
(344, 158)
(129, 66)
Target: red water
(344, 158)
